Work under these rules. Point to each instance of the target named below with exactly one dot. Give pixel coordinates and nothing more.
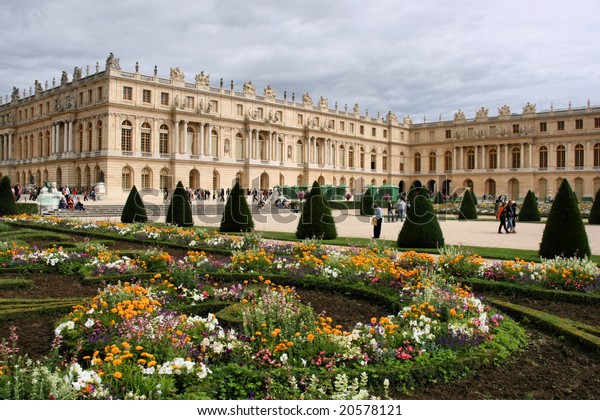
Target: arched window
(145, 138)
(79, 139)
(579, 156)
(146, 179)
(596, 155)
(432, 162)
(165, 179)
(351, 157)
(126, 136)
(493, 158)
(384, 160)
(543, 158)
(471, 159)
(163, 140)
(299, 152)
(47, 144)
(89, 137)
(561, 157)
(417, 162)
(99, 134)
(362, 158)
(373, 159)
(239, 146)
(543, 188)
(448, 161)
(516, 157)
(126, 178)
(342, 151)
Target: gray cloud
(419, 58)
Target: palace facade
(126, 129)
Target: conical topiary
(8, 205)
(594, 218)
(316, 220)
(237, 216)
(529, 211)
(366, 204)
(421, 228)
(564, 234)
(468, 210)
(474, 197)
(180, 210)
(439, 198)
(134, 210)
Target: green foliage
(474, 197)
(468, 209)
(594, 218)
(564, 234)
(134, 210)
(366, 204)
(529, 210)
(421, 228)
(7, 198)
(180, 210)
(316, 220)
(439, 198)
(237, 216)
(27, 208)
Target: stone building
(126, 129)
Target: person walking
(378, 221)
(401, 209)
(502, 213)
(390, 208)
(514, 216)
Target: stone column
(249, 144)
(186, 145)
(177, 146)
(209, 130)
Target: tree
(8, 205)
(529, 211)
(366, 204)
(594, 218)
(468, 209)
(421, 228)
(134, 210)
(180, 210)
(316, 220)
(237, 216)
(564, 234)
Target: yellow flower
(118, 375)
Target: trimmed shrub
(529, 210)
(366, 204)
(180, 210)
(237, 216)
(594, 218)
(27, 208)
(134, 210)
(439, 198)
(468, 209)
(316, 220)
(564, 234)
(7, 198)
(421, 228)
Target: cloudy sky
(424, 58)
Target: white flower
(284, 358)
(89, 323)
(69, 325)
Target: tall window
(596, 155)
(351, 157)
(384, 161)
(560, 125)
(126, 136)
(579, 156)
(126, 178)
(164, 98)
(543, 157)
(89, 137)
(516, 157)
(362, 158)
(493, 158)
(401, 165)
(146, 179)
(561, 157)
(373, 159)
(127, 93)
(578, 124)
(299, 152)
(448, 161)
(432, 162)
(145, 138)
(471, 159)
(163, 140)
(47, 145)
(418, 162)
(146, 96)
(79, 139)
(99, 134)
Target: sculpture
(269, 92)
(249, 88)
(307, 100)
(177, 75)
(323, 102)
(112, 63)
(504, 111)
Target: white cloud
(419, 58)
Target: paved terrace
(481, 232)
